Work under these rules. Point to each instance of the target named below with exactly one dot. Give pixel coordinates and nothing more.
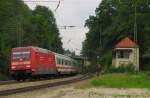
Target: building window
(126, 54)
(120, 54)
(123, 54)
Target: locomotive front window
(21, 55)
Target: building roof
(126, 43)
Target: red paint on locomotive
(34, 60)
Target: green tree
(20, 26)
(113, 21)
(43, 31)
(13, 13)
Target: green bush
(106, 61)
(147, 73)
(123, 69)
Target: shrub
(106, 61)
(123, 68)
(147, 73)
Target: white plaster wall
(133, 58)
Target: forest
(113, 21)
(21, 26)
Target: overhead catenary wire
(69, 26)
(47, 1)
(59, 2)
(58, 5)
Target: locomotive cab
(21, 63)
(34, 62)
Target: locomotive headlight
(13, 67)
(28, 66)
(27, 62)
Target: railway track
(7, 82)
(34, 80)
(43, 86)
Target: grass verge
(119, 80)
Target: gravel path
(69, 91)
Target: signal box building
(126, 52)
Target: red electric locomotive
(34, 61)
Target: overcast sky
(70, 12)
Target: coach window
(69, 63)
(62, 61)
(74, 63)
(65, 62)
(58, 61)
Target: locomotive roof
(37, 48)
(42, 50)
(63, 56)
(46, 51)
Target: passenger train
(30, 62)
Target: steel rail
(38, 87)
(34, 80)
(7, 82)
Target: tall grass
(121, 80)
